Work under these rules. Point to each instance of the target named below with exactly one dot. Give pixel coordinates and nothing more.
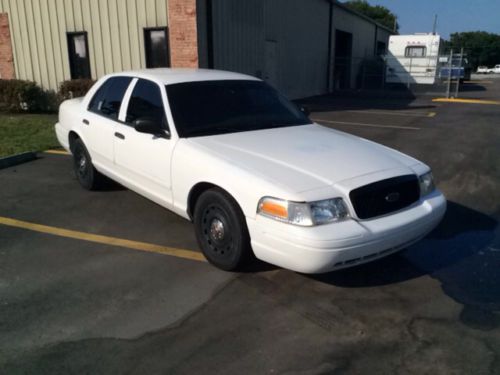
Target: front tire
(88, 177)
(221, 230)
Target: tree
(482, 48)
(376, 12)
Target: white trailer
(413, 58)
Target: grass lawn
(26, 132)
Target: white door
(100, 119)
(142, 159)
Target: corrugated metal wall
(282, 41)
(289, 43)
(114, 27)
(301, 29)
(238, 35)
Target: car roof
(170, 76)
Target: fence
(440, 75)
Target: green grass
(26, 132)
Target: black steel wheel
(221, 230)
(88, 177)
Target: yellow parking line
(469, 101)
(319, 120)
(106, 240)
(479, 81)
(57, 152)
(395, 113)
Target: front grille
(386, 196)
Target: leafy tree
(376, 12)
(482, 48)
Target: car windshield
(228, 106)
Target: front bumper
(347, 243)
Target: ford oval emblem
(392, 197)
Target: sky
(417, 16)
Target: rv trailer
(413, 59)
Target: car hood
(302, 158)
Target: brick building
(303, 47)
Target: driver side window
(146, 103)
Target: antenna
(435, 24)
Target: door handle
(85, 121)
(119, 135)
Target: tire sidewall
(87, 181)
(234, 218)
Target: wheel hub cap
(82, 164)
(217, 229)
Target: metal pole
(459, 69)
(409, 73)
(448, 86)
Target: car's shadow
(463, 253)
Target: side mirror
(149, 126)
(305, 110)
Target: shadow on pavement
(330, 103)
(463, 253)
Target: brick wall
(6, 56)
(182, 33)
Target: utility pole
(459, 71)
(435, 24)
(448, 86)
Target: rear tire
(221, 230)
(88, 177)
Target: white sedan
(482, 69)
(495, 69)
(249, 169)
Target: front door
(143, 160)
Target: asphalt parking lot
(108, 282)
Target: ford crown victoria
(253, 173)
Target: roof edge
(355, 12)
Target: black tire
(88, 177)
(221, 230)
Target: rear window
(415, 51)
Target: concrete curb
(10, 161)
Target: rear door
(100, 119)
(143, 160)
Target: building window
(157, 50)
(416, 51)
(78, 50)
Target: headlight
(426, 184)
(304, 214)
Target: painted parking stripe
(364, 124)
(57, 152)
(105, 240)
(468, 101)
(396, 113)
(480, 81)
